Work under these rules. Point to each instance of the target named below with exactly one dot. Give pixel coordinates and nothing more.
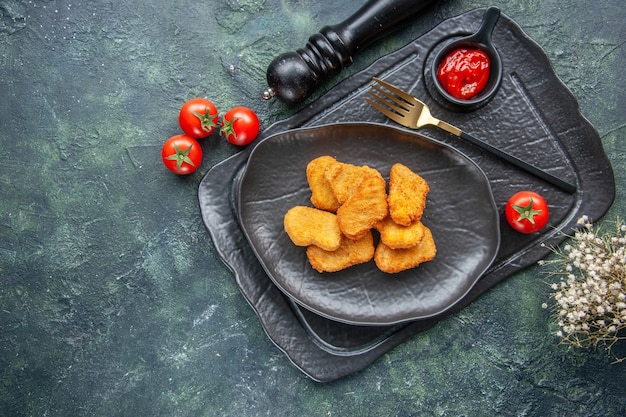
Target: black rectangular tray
(534, 116)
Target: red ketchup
(464, 72)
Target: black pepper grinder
(293, 76)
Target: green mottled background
(113, 301)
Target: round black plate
(460, 212)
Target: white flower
(589, 296)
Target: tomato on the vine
(181, 154)
(198, 117)
(527, 212)
(240, 125)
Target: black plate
(275, 181)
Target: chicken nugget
(407, 195)
(322, 195)
(393, 261)
(350, 252)
(400, 237)
(310, 226)
(345, 178)
(364, 208)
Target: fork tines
(392, 102)
(409, 99)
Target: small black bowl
(480, 40)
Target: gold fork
(408, 111)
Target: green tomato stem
(228, 129)
(526, 212)
(206, 120)
(181, 157)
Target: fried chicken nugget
(393, 261)
(400, 237)
(310, 226)
(345, 178)
(407, 195)
(322, 195)
(365, 207)
(350, 252)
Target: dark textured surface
(113, 300)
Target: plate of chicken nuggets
(368, 224)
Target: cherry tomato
(198, 117)
(527, 212)
(181, 154)
(240, 125)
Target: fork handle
(557, 182)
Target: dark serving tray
(534, 116)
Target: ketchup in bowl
(464, 72)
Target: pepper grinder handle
(293, 76)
